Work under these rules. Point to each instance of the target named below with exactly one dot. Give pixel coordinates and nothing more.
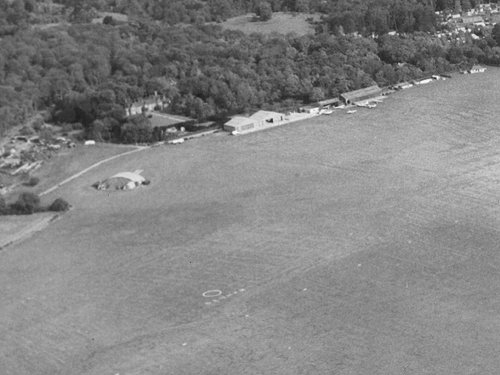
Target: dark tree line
(88, 74)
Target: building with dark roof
(352, 97)
(329, 102)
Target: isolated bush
(4, 209)
(59, 205)
(77, 126)
(264, 11)
(33, 181)
(108, 20)
(26, 130)
(37, 123)
(26, 204)
(46, 134)
(67, 127)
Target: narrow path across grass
(71, 178)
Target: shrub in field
(33, 181)
(59, 205)
(27, 203)
(26, 130)
(46, 134)
(108, 20)
(77, 126)
(264, 11)
(37, 123)
(4, 209)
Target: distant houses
(147, 105)
(473, 20)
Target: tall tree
(264, 11)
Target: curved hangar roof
(135, 177)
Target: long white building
(258, 121)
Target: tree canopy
(91, 73)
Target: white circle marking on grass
(212, 293)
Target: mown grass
(281, 22)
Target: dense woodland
(86, 74)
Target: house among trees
(352, 97)
(258, 121)
(473, 20)
(147, 105)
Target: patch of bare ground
(346, 244)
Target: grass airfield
(346, 244)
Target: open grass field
(346, 244)
(282, 23)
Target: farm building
(258, 121)
(264, 118)
(239, 124)
(334, 102)
(352, 97)
(122, 181)
(472, 20)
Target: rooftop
(372, 90)
(263, 115)
(240, 121)
(136, 177)
(328, 101)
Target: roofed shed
(362, 94)
(121, 181)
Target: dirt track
(366, 246)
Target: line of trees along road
(89, 73)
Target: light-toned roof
(477, 67)
(472, 19)
(263, 115)
(328, 101)
(240, 121)
(135, 177)
(372, 90)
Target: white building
(258, 121)
(477, 69)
